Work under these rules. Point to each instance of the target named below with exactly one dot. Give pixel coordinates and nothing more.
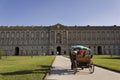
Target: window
(42, 34)
(17, 35)
(12, 35)
(32, 34)
(58, 38)
(2, 35)
(22, 34)
(47, 34)
(7, 35)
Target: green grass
(24, 67)
(107, 61)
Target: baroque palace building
(50, 40)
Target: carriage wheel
(91, 68)
(72, 66)
(75, 67)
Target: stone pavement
(61, 71)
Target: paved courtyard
(61, 71)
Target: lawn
(25, 67)
(107, 61)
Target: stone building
(57, 39)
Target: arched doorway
(99, 50)
(58, 50)
(17, 51)
(52, 52)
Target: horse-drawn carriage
(80, 57)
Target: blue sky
(66, 12)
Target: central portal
(58, 50)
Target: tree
(0, 53)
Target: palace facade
(58, 39)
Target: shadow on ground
(40, 69)
(59, 71)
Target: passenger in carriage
(82, 52)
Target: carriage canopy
(80, 47)
(87, 50)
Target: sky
(65, 12)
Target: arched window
(58, 38)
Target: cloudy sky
(66, 12)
